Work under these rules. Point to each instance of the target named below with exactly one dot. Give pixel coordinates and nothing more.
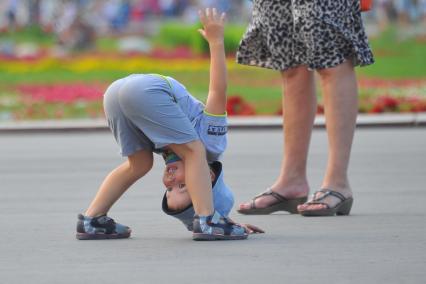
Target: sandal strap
(269, 191)
(252, 203)
(326, 192)
(334, 193)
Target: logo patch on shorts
(217, 130)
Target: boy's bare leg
(118, 181)
(197, 175)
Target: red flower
(377, 109)
(385, 104)
(236, 105)
(416, 104)
(388, 102)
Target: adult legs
(118, 181)
(341, 107)
(299, 108)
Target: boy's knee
(140, 163)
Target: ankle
(336, 179)
(292, 188)
(205, 212)
(341, 187)
(93, 214)
(293, 173)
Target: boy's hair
(170, 157)
(180, 202)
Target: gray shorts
(142, 113)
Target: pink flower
(62, 93)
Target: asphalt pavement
(46, 179)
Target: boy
(151, 113)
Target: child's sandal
(215, 227)
(100, 228)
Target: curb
(239, 122)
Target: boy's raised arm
(213, 26)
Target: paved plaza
(46, 179)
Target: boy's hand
(252, 229)
(213, 25)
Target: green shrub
(29, 34)
(175, 34)
(233, 34)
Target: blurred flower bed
(38, 82)
(83, 100)
(73, 88)
(376, 96)
(28, 102)
(403, 95)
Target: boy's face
(174, 181)
(174, 175)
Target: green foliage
(396, 57)
(29, 34)
(174, 34)
(233, 34)
(197, 43)
(106, 44)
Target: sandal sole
(208, 237)
(289, 205)
(341, 209)
(84, 236)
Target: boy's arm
(213, 32)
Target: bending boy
(150, 113)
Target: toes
(302, 207)
(245, 205)
(317, 207)
(261, 202)
(312, 207)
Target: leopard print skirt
(316, 33)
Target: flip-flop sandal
(341, 208)
(282, 204)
